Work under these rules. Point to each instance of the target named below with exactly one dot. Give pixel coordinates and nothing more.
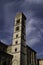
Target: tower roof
(20, 14)
(2, 44)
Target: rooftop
(31, 49)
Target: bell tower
(19, 40)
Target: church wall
(16, 58)
(31, 56)
(23, 59)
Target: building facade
(22, 54)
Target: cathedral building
(18, 53)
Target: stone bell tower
(19, 40)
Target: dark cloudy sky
(33, 10)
